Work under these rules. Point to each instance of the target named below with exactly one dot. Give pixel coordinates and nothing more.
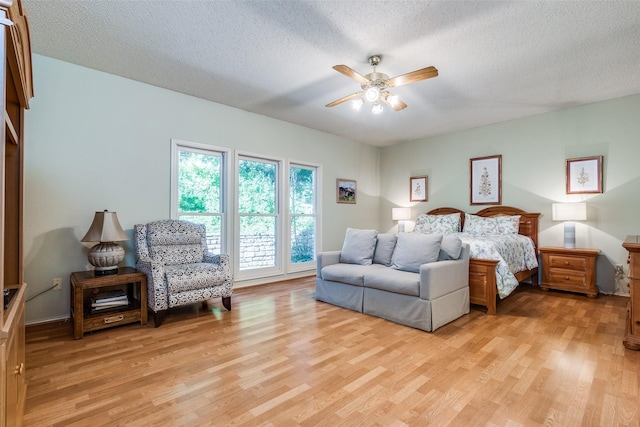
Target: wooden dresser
(632, 332)
(17, 84)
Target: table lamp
(401, 215)
(569, 212)
(106, 255)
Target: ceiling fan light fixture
(357, 104)
(372, 93)
(377, 108)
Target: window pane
(199, 186)
(213, 225)
(257, 242)
(301, 183)
(303, 239)
(256, 187)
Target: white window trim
(227, 174)
(310, 265)
(278, 269)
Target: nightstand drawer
(567, 262)
(568, 278)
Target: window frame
(177, 146)
(309, 265)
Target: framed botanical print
(584, 175)
(486, 180)
(346, 190)
(418, 189)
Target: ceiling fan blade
(350, 73)
(398, 105)
(344, 99)
(412, 77)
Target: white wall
(95, 141)
(534, 151)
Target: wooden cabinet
(632, 332)
(569, 270)
(15, 71)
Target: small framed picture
(584, 175)
(418, 189)
(486, 180)
(346, 190)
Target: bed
(483, 284)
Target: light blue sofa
(394, 283)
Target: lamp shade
(105, 228)
(569, 211)
(400, 214)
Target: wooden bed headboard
(528, 220)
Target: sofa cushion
(358, 246)
(352, 274)
(396, 281)
(450, 248)
(384, 249)
(414, 249)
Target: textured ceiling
(497, 60)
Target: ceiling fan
(375, 86)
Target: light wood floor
(280, 358)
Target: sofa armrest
(326, 258)
(443, 277)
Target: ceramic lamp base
(105, 257)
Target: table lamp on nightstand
(106, 255)
(569, 212)
(401, 215)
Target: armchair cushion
(188, 277)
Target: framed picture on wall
(584, 175)
(486, 180)
(346, 190)
(418, 189)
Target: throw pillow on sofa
(450, 248)
(414, 249)
(384, 249)
(358, 246)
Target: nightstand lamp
(106, 255)
(569, 212)
(401, 215)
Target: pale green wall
(95, 141)
(534, 151)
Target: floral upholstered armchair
(180, 270)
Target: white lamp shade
(105, 228)
(569, 211)
(400, 214)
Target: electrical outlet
(57, 284)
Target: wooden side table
(569, 270)
(632, 329)
(86, 283)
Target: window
(302, 216)
(259, 216)
(198, 189)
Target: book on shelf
(108, 296)
(110, 303)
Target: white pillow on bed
(491, 226)
(358, 246)
(443, 224)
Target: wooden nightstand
(569, 270)
(86, 283)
